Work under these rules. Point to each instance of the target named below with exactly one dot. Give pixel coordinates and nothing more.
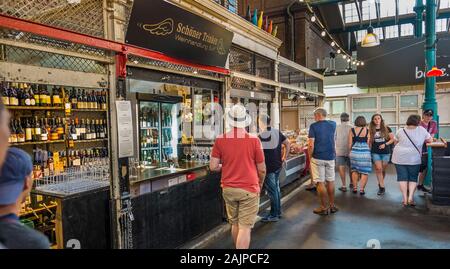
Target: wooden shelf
(34, 108)
(88, 110)
(37, 143)
(92, 140)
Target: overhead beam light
(339, 51)
(313, 18)
(323, 33)
(333, 44)
(344, 56)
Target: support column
(430, 59)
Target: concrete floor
(360, 219)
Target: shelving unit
(38, 143)
(42, 108)
(91, 140)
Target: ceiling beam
(324, 2)
(359, 9)
(388, 21)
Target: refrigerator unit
(158, 119)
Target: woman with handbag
(407, 156)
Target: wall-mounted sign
(164, 27)
(400, 62)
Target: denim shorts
(409, 173)
(342, 161)
(381, 157)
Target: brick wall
(309, 45)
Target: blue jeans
(272, 186)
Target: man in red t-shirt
(240, 157)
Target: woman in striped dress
(360, 157)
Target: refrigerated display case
(159, 127)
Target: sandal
(321, 211)
(355, 191)
(343, 189)
(404, 204)
(411, 203)
(362, 192)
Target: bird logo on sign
(162, 29)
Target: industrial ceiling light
(349, 60)
(362, 63)
(313, 18)
(333, 44)
(371, 39)
(323, 33)
(358, 64)
(339, 51)
(344, 56)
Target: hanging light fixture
(435, 72)
(344, 56)
(333, 44)
(362, 63)
(313, 18)
(323, 33)
(339, 51)
(371, 39)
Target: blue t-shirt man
(323, 133)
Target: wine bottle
(44, 133)
(5, 93)
(13, 98)
(37, 129)
(20, 132)
(60, 128)
(32, 97)
(37, 95)
(56, 98)
(54, 131)
(13, 133)
(28, 131)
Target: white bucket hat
(238, 117)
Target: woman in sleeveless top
(360, 157)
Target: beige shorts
(242, 206)
(322, 170)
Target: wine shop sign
(401, 62)
(161, 26)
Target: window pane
(388, 102)
(338, 107)
(444, 132)
(391, 31)
(389, 117)
(387, 8)
(365, 103)
(326, 105)
(404, 116)
(367, 115)
(351, 14)
(409, 101)
(407, 29)
(406, 6)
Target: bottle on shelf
(54, 131)
(13, 133)
(44, 133)
(28, 131)
(31, 94)
(24, 95)
(73, 99)
(37, 129)
(37, 95)
(104, 100)
(5, 93)
(13, 98)
(20, 132)
(60, 128)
